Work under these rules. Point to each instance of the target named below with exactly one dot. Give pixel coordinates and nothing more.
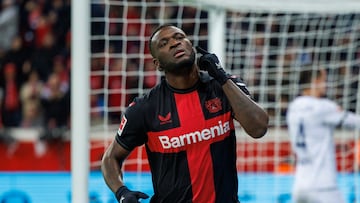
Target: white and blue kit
(311, 123)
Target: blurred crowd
(35, 62)
(34, 66)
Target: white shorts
(332, 195)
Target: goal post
(80, 90)
(265, 42)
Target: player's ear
(157, 64)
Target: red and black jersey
(190, 141)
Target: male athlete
(186, 124)
(311, 120)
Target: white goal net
(264, 43)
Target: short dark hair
(154, 32)
(308, 74)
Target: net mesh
(265, 48)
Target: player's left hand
(210, 62)
(124, 195)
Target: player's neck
(183, 81)
(311, 93)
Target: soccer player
(311, 121)
(186, 123)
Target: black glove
(124, 195)
(210, 62)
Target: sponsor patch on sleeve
(122, 125)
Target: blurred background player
(186, 124)
(311, 120)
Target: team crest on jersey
(122, 125)
(213, 105)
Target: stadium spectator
(30, 94)
(55, 99)
(59, 68)
(42, 58)
(5, 136)
(9, 17)
(311, 120)
(58, 12)
(18, 55)
(188, 103)
(11, 111)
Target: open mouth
(179, 53)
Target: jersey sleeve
(350, 120)
(330, 113)
(335, 116)
(131, 131)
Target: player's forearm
(250, 115)
(111, 170)
(112, 174)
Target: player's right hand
(210, 62)
(124, 195)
